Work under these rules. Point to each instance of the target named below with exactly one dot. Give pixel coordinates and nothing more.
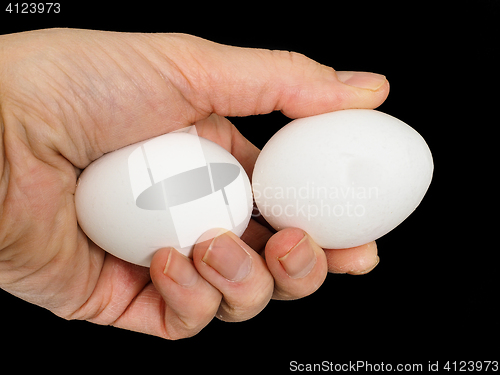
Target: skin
(69, 96)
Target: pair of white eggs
(346, 178)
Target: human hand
(69, 96)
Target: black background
(434, 294)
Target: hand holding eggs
(346, 178)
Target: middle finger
(238, 272)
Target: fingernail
(228, 258)
(300, 260)
(368, 269)
(363, 80)
(180, 269)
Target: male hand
(69, 96)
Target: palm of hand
(67, 98)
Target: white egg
(346, 177)
(166, 191)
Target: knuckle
(178, 325)
(179, 333)
(247, 304)
(236, 313)
(294, 57)
(299, 62)
(300, 288)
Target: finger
(297, 263)
(233, 81)
(190, 302)
(238, 272)
(355, 260)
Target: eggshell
(166, 191)
(346, 177)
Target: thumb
(232, 81)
